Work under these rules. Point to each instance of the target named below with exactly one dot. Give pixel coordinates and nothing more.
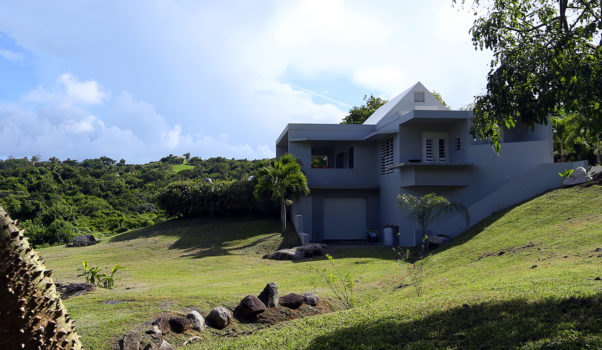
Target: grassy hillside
(525, 278)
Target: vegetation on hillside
(55, 200)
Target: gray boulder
(219, 317)
(578, 176)
(269, 295)
(130, 341)
(251, 306)
(298, 253)
(310, 299)
(292, 301)
(83, 240)
(197, 322)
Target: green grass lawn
(525, 278)
(179, 167)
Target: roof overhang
(419, 117)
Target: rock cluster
(220, 317)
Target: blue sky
(142, 79)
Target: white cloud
(12, 56)
(69, 91)
(76, 91)
(129, 129)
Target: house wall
(522, 170)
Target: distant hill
(55, 199)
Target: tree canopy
(359, 114)
(546, 59)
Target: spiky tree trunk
(32, 315)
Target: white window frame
(439, 147)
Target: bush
(59, 231)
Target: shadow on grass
(553, 324)
(204, 237)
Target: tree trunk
(283, 213)
(599, 148)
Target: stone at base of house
(578, 176)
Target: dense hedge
(197, 198)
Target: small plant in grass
(94, 276)
(413, 269)
(91, 274)
(342, 288)
(108, 281)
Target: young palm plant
(427, 208)
(282, 179)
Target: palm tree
(283, 178)
(427, 208)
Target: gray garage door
(345, 218)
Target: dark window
(319, 161)
(344, 160)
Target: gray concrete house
(411, 144)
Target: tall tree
(359, 114)
(546, 59)
(282, 179)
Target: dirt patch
(507, 251)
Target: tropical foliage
(546, 61)
(282, 179)
(428, 208)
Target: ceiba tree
(546, 62)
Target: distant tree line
(55, 200)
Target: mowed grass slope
(198, 264)
(524, 278)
